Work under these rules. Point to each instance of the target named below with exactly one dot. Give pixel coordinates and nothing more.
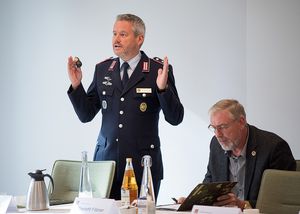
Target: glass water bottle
(129, 188)
(85, 187)
(146, 200)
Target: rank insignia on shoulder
(112, 65)
(157, 59)
(146, 67)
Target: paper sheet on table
(172, 207)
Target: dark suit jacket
(130, 116)
(265, 150)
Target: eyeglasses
(221, 127)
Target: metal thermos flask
(37, 196)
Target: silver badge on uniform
(104, 104)
(107, 81)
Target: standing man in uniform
(130, 90)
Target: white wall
(247, 50)
(273, 62)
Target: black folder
(206, 194)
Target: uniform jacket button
(152, 146)
(120, 125)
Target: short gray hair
(233, 106)
(139, 27)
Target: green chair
(279, 192)
(66, 177)
(298, 165)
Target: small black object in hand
(78, 63)
(175, 200)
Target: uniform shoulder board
(159, 60)
(105, 60)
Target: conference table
(66, 208)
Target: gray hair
(233, 106)
(139, 27)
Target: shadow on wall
(185, 150)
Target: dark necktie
(125, 78)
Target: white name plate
(94, 206)
(7, 204)
(198, 209)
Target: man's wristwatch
(247, 205)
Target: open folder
(202, 194)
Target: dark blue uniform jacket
(130, 116)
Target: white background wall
(247, 50)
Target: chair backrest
(279, 192)
(66, 177)
(297, 165)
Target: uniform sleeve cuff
(162, 90)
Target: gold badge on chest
(143, 107)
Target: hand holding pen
(179, 200)
(174, 199)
